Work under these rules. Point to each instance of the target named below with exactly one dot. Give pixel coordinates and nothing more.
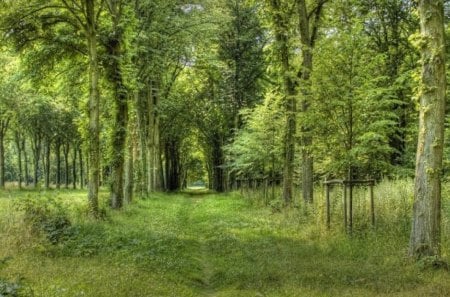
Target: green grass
(205, 244)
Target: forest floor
(200, 245)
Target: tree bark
(115, 50)
(308, 27)
(129, 176)
(25, 159)
(94, 112)
(47, 164)
(18, 142)
(2, 159)
(58, 163)
(36, 148)
(81, 166)
(217, 161)
(142, 125)
(66, 148)
(154, 182)
(426, 224)
(74, 167)
(3, 127)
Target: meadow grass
(206, 244)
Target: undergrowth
(208, 244)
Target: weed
(46, 215)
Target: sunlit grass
(205, 244)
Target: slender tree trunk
(3, 127)
(25, 159)
(36, 155)
(18, 141)
(142, 124)
(81, 166)
(129, 177)
(217, 158)
(132, 143)
(161, 182)
(47, 164)
(74, 167)
(153, 142)
(94, 112)
(151, 165)
(66, 149)
(58, 163)
(172, 161)
(426, 224)
(2, 158)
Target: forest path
(210, 245)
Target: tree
(389, 24)
(8, 86)
(309, 22)
(352, 107)
(256, 151)
(426, 224)
(280, 21)
(29, 22)
(115, 55)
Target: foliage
(256, 150)
(353, 108)
(48, 216)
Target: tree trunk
(2, 158)
(121, 114)
(94, 112)
(153, 143)
(129, 178)
(217, 160)
(58, 164)
(132, 144)
(150, 149)
(425, 233)
(81, 166)
(3, 127)
(18, 142)
(66, 148)
(308, 27)
(25, 159)
(36, 148)
(172, 172)
(74, 167)
(47, 164)
(290, 105)
(142, 125)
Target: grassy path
(208, 245)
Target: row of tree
(150, 95)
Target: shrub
(46, 215)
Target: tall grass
(203, 244)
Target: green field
(205, 244)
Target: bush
(46, 215)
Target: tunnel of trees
(156, 95)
